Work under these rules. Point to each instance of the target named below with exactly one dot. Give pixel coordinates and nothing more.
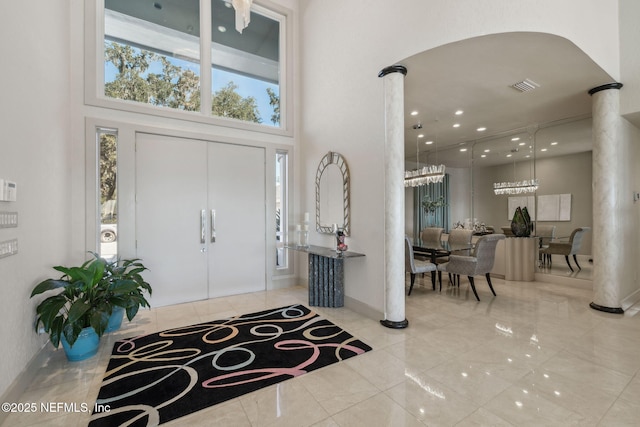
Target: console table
(326, 274)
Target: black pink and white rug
(155, 378)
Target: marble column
(608, 177)
(393, 77)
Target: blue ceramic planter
(85, 346)
(115, 321)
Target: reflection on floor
(559, 267)
(534, 355)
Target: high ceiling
(476, 76)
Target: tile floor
(535, 355)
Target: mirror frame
(333, 158)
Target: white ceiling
(476, 76)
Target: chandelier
(243, 13)
(516, 187)
(423, 175)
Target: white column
(393, 77)
(608, 177)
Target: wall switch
(8, 248)
(8, 219)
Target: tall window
(282, 201)
(152, 55)
(107, 140)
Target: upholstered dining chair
(479, 262)
(460, 243)
(567, 248)
(431, 236)
(546, 233)
(414, 266)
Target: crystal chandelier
(516, 187)
(243, 13)
(423, 175)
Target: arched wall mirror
(332, 194)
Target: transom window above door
(165, 55)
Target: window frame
(94, 71)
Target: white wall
(346, 44)
(34, 148)
(630, 215)
(630, 59)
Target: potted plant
(78, 314)
(430, 206)
(126, 274)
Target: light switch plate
(8, 248)
(8, 219)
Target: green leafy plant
(430, 206)
(127, 274)
(86, 297)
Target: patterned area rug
(155, 378)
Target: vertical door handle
(203, 224)
(213, 225)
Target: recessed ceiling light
(463, 149)
(456, 125)
(414, 113)
(459, 112)
(481, 129)
(544, 149)
(428, 142)
(483, 155)
(509, 155)
(554, 143)
(487, 150)
(522, 143)
(421, 135)
(222, 29)
(515, 139)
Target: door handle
(203, 224)
(213, 225)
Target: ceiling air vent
(525, 85)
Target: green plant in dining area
(86, 298)
(430, 206)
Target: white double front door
(200, 218)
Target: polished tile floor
(535, 355)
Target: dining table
(435, 250)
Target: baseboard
(362, 308)
(561, 280)
(282, 282)
(631, 300)
(25, 378)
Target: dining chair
(546, 233)
(459, 242)
(431, 236)
(567, 248)
(479, 262)
(414, 266)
